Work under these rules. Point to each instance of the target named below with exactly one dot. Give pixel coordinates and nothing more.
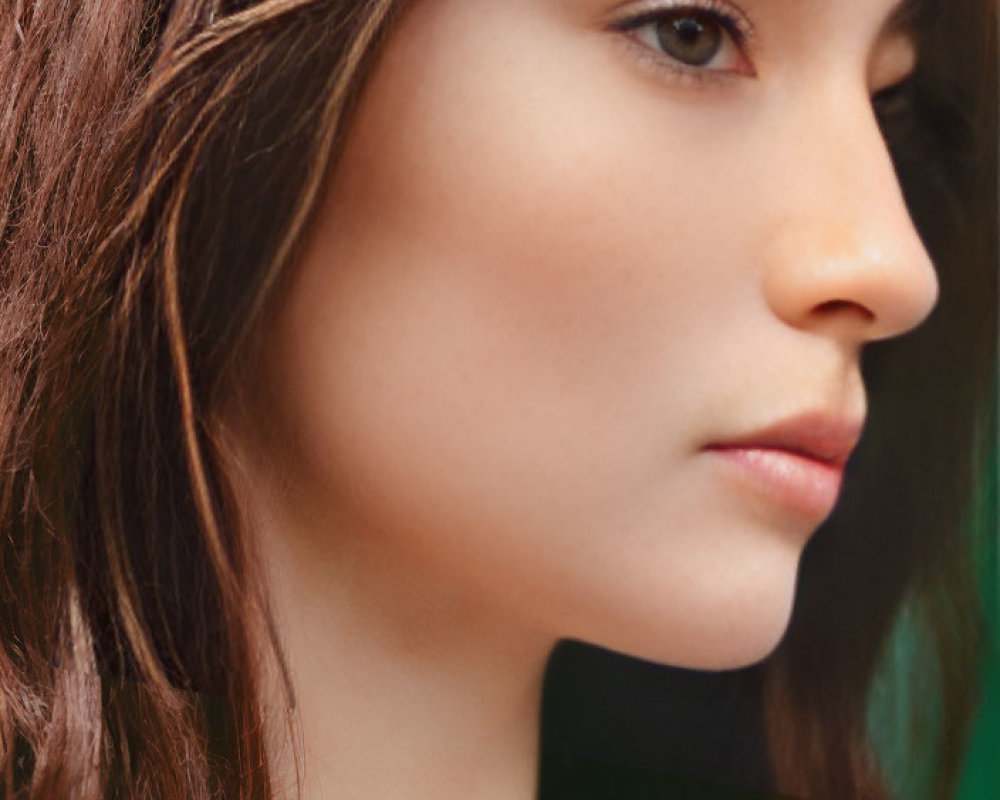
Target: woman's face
(559, 272)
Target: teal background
(904, 706)
(981, 777)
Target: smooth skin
(551, 266)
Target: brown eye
(695, 36)
(692, 37)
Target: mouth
(797, 463)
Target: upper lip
(819, 435)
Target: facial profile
(582, 310)
(496, 399)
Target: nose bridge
(843, 255)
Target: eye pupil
(688, 30)
(690, 37)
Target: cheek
(495, 337)
(530, 198)
(469, 302)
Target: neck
(407, 685)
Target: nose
(844, 257)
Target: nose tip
(845, 258)
(866, 280)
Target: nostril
(838, 307)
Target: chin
(721, 634)
(752, 649)
(732, 650)
(752, 646)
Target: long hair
(900, 548)
(159, 165)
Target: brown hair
(159, 163)
(902, 541)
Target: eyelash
(733, 22)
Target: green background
(904, 698)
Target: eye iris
(691, 38)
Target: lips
(798, 462)
(816, 435)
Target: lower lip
(801, 484)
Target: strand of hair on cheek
(127, 597)
(182, 371)
(332, 112)
(133, 279)
(173, 312)
(343, 82)
(139, 208)
(220, 32)
(176, 707)
(168, 78)
(126, 592)
(226, 570)
(165, 84)
(266, 659)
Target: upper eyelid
(628, 14)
